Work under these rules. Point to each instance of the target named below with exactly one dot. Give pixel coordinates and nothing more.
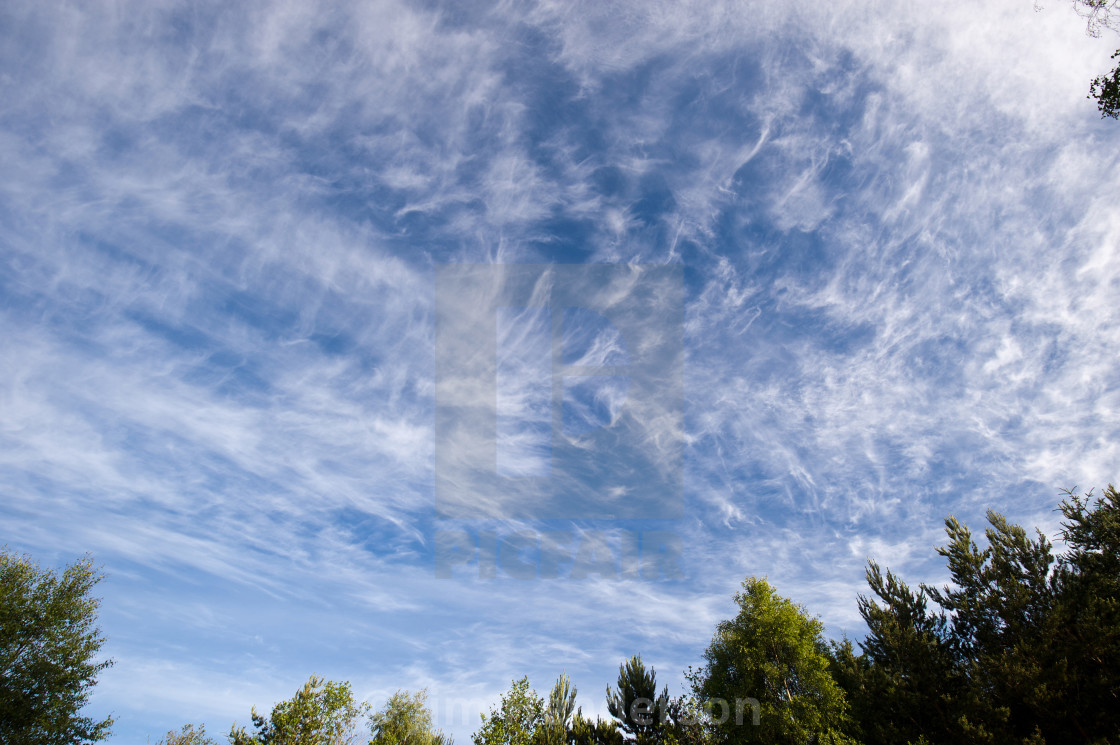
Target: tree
(640, 711)
(406, 720)
(1021, 647)
(1102, 14)
(558, 712)
(689, 722)
(981, 667)
(188, 735)
(771, 653)
(516, 721)
(906, 660)
(1106, 89)
(49, 644)
(1086, 622)
(1099, 15)
(586, 732)
(999, 605)
(524, 718)
(319, 714)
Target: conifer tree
(1086, 623)
(558, 712)
(1022, 647)
(641, 712)
(599, 732)
(907, 661)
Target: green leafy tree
(772, 653)
(524, 718)
(49, 645)
(516, 721)
(188, 735)
(319, 714)
(641, 712)
(1106, 90)
(406, 720)
(689, 723)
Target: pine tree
(1022, 647)
(635, 704)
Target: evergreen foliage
(1022, 647)
(1086, 624)
(635, 704)
(559, 712)
(599, 732)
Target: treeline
(1022, 647)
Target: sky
(430, 345)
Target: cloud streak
(223, 229)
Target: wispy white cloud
(217, 373)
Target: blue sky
(886, 236)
